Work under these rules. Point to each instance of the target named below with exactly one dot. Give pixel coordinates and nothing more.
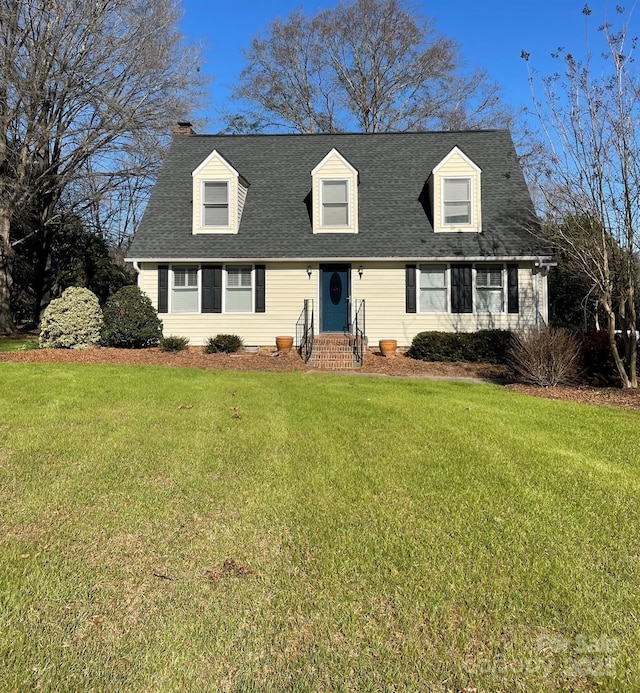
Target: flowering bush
(72, 321)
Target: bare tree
(370, 65)
(84, 85)
(590, 176)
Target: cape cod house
(254, 235)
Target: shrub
(492, 346)
(174, 343)
(223, 343)
(597, 360)
(487, 346)
(72, 321)
(130, 321)
(547, 357)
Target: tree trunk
(631, 338)
(42, 276)
(611, 331)
(7, 326)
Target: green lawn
(17, 343)
(179, 530)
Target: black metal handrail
(305, 330)
(359, 338)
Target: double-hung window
(456, 201)
(489, 289)
(215, 203)
(184, 289)
(462, 288)
(433, 288)
(335, 203)
(239, 289)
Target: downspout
(537, 269)
(541, 268)
(136, 267)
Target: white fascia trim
(333, 152)
(350, 258)
(454, 151)
(216, 155)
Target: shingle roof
(393, 171)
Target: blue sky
(491, 35)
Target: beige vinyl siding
(148, 281)
(382, 285)
(383, 288)
(287, 285)
(334, 168)
(242, 196)
(215, 170)
(457, 166)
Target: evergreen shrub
(130, 320)
(223, 343)
(484, 346)
(174, 343)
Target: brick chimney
(183, 128)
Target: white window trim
(225, 286)
(472, 210)
(349, 224)
(229, 225)
(504, 287)
(447, 288)
(173, 288)
(474, 301)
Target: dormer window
(215, 203)
(455, 189)
(335, 203)
(334, 193)
(219, 194)
(456, 201)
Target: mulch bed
(374, 364)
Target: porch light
(309, 271)
(360, 271)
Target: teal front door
(334, 297)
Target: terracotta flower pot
(388, 347)
(284, 344)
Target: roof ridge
(344, 134)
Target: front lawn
(166, 530)
(17, 343)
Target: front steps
(333, 352)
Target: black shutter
(260, 289)
(410, 290)
(513, 303)
(163, 288)
(461, 289)
(212, 288)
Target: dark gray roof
(393, 221)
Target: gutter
(541, 262)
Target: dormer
(456, 194)
(219, 193)
(334, 193)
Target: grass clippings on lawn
(346, 533)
